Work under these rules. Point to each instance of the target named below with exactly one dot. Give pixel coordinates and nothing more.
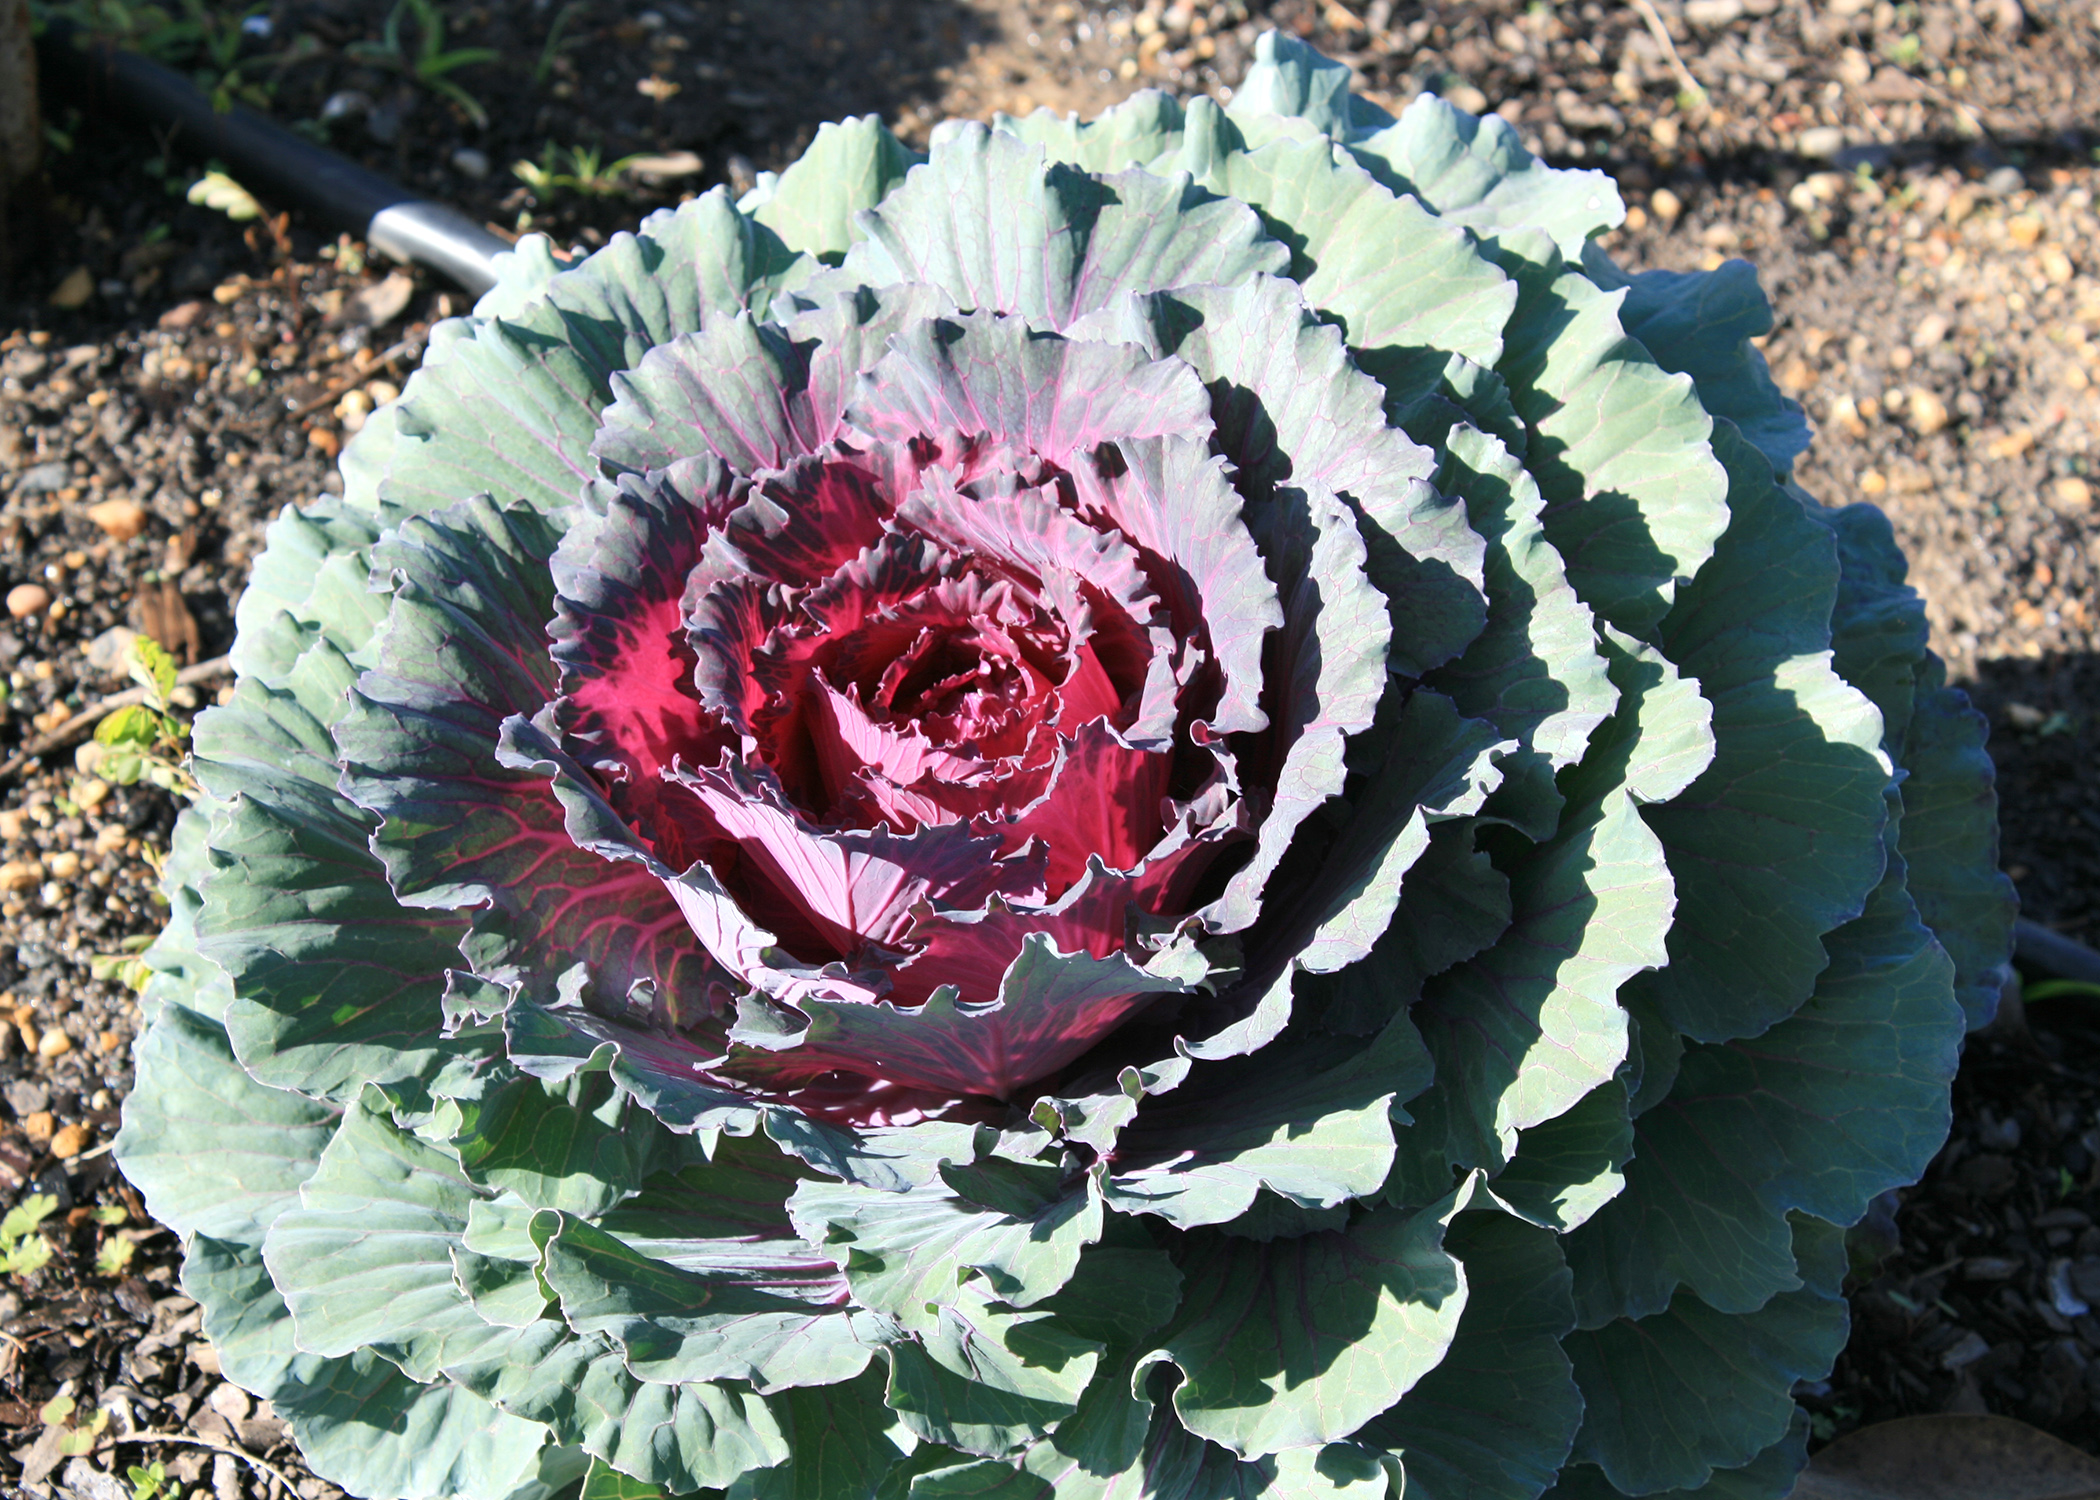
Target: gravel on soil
(1915, 183)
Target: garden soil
(1914, 182)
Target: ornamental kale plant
(1178, 806)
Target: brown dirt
(1915, 183)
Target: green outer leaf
(678, 1326)
(1634, 496)
(849, 166)
(1700, 323)
(988, 222)
(518, 387)
(734, 389)
(1475, 172)
(336, 984)
(1289, 80)
(312, 576)
(1499, 1414)
(986, 1479)
(604, 1482)
(1840, 1102)
(1454, 904)
(510, 412)
(522, 273)
(1410, 290)
(1291, 1343)
(1292, 409)
(179, 973)
(1877, 630)
(359, 1421)
(1769, 1476)
(685, 1437)
(365, 1261)
(1781, 840)
(214, 1151)
(578, 1145)
(686, 266)
(841, 1441)
(1567, 1168)
(656, 1069)
(985, 1380)
(906, 1254)
(1529, 1027)
(1673, 1397)
(928, 1461)
(1950, 837)
(1534, 672)
(1135, 133)
(1307, 1122)
(1436, 765)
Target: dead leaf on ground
(664, 168)
(383, 301)
(1951, 1458)
(158, 610)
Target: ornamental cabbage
(1178, 806)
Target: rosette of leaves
(1177, 806)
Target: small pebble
(1928, 413)
(1992, 1267)
(43, 478)
(40, 1127)
(1821, 140)
(343, 104)
(109, 651)
(470, 163)
(1965, 1351)
(1665, 205)
(2023, 230)
(54, 1043)
(64, 865)
(73, 292)
(72, 1139)
(2073, 493)
(26, 599)
(89, 794)
(21, 875)
(121, 520)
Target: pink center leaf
(939, 698)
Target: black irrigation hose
(269, 160)
(2042, 951)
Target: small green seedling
(555, 46)
(576, 169)
(76, 1441)
(217, 190)
(145, 741)
(114, 1258)
(22, 1249)
(431, 61)
(148, 1480)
